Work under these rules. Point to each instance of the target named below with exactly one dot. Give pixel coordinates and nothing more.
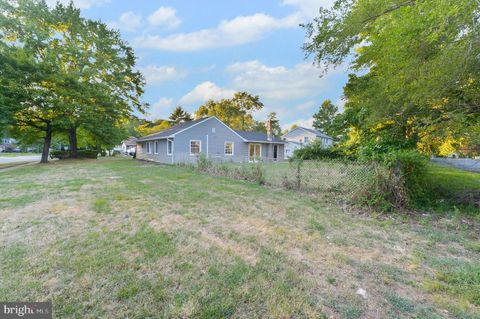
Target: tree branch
(398, 6)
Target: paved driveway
(18, 159)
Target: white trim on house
(225, 148)
(156, 144)
(199, 147)
(207, 145)
(171, 150)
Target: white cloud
(161, 109)
(158, 74)
(81, 4)
(238, 31)
(309, 8)
(280, 82)
(164, 17)
(308, 123)
(130, 21)
(206, 91)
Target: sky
(193, 51)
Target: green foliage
(180, 115)
(235, 112)
(56, 77)
(324, 118)
(61, 155)
(399, 181)
(315, 151)
(408, 169)
(422, 86)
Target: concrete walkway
(19, 159)
(466, 164)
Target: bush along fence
(394, 182)
(354, 182)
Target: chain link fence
(341, 179)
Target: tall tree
(151, 127)
(179, 115)
(235, 112)
(324, 119)
(62, 72)
(246, 104)
(422, 79)
(272, 117)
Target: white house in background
(301, 136)
(127, 146)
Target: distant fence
(466, 164)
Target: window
(155, 149)
(213, 130)
(228, 148)
(306, 139)
(169, 147)
(195, 147)
(148, 147)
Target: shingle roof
(171, 130)
(258, 137)
(131, 141)
(317, 133)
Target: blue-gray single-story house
(183, 143)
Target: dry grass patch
(119, 238)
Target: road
(19, 159)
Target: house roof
(317, 133)
(131, 141)
(246, 136)
(171, 130)
(258, 137)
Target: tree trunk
(72, 138)
(46, 144)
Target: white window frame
(169, 149)
(225, 148)
(155, 147)
(306, 139)
(199, 147)
(150, 150)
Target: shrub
(396, 179)
(87, 154)
(408, 171)
(203, 163)
(103, 153)
(61, 155)
(314, 151)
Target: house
(301, 136)
(127, 146)
(7, 144)
(183, 143)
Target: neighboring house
(7, 144)
(301, 136)
(183, 143)
(127, 146)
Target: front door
(275, 152)
(254, 152)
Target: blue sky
(192, 51)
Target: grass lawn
(18, 154)
(119, 238)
